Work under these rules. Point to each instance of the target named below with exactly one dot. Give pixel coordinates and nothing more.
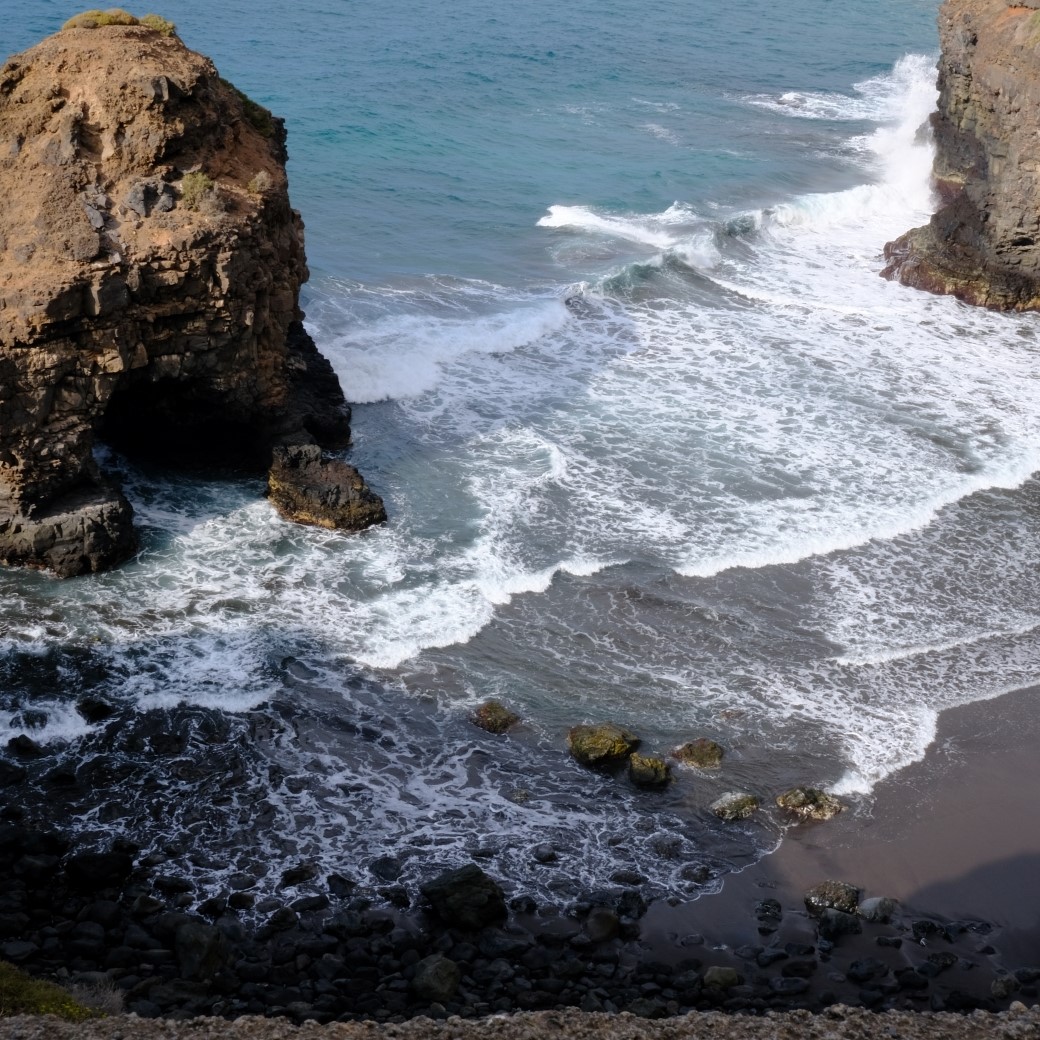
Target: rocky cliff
(150, 267)
(983, 244)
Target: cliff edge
(983, 244)
(150, 267)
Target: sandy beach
(956, 835)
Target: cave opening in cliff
(181, 425)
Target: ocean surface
(657, 444)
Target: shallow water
(657, 444)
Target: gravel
(1017, 1023)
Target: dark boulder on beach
(466, 898)
(604, 744)
(837, 895)
(91, 871)
(436, 979)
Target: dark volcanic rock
(837, 895)
(308, 488)
(466, 898)
(983, 244)
(436, 978)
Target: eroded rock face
(150, 266)
(983, 244)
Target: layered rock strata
(150, 267)
(983, 244)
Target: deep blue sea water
(657, 443)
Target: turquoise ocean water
(657, 443)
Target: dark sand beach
(955, 836)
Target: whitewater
(691, 466)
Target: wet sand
(955, 835)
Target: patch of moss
(194, 189)
(258, 117)
(117, 16)
(93, 18)
(20, 994)
(159, 24)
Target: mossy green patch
(117, 16)
(258, 117)
(20, 994)
(159, 24)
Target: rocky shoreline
(325, 950)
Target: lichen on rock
(172, 333)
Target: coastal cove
(658, 446)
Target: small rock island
(150, 270)
(983, 244)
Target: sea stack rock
(150, 267)
(983, 245)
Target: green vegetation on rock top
(21, 994)
(259, 118)
(117, 16)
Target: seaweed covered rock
(701, 753)
(735, 805)
(494, 717)
(810, 803)
(603, 744)
(150, 267)
(648, 771)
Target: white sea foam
(630, 229)
(877, 99)
(406, 355)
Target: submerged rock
(494, 717)
(735, 805)
(878, 908)
(810, 803)
(701, 753)
(648, 771)
(603, 744)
